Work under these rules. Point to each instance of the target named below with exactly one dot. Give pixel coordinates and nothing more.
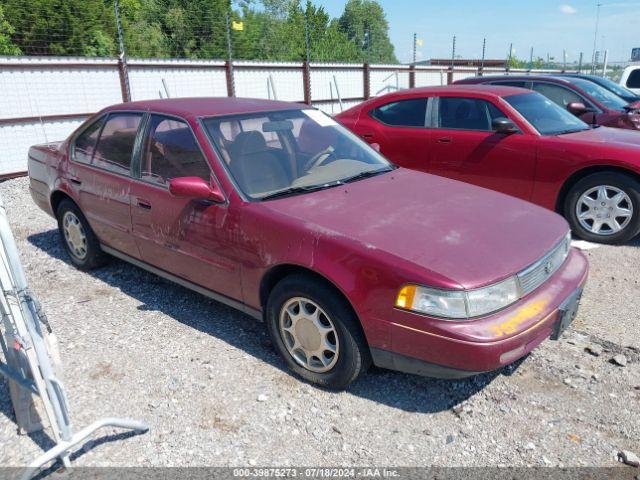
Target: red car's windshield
(544, 115)
(270, 154)
(601, 94)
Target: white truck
(631, 78)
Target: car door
(464, 147)
(188, 238)
(563, 96)
(399, 128)
(100, 174)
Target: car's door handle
(444, 140)
(367, 136)
(142, 203)
(75, 181)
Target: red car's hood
(622, 137)
(467, 234)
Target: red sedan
(276, 210)
(517, 142)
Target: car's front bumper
(446, 349)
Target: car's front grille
(535, 275)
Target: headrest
(250, 142)
(314, 138)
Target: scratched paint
(521, 315)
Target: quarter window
(85, 143)
(559, 95)
(405, 113)
(457, 113)
(171, 151)
(117, 139)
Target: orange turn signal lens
(405, 296)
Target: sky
(546, 25)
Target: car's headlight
(458, 304)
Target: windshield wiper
(297, 190)
(571, 130)
(365, 174)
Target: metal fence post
(306, 82)
(366, 80)
(412, 76)
(122, 59)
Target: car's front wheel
(78, 238)
(604, 207)
(316, 332)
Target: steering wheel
(319, 158)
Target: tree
(7, 47)
(362, 18)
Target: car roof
(194, 107)
(493, 78)
(473, 89)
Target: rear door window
(458, 113)
(115, 146)
(557, 94)
(404, 113)
(85, 144)
(171, 151)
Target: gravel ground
(215, 393)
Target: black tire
(354, 357)
(94, 256)
(620, 181)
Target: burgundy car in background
(514, 141)
(589, 101)
(275, 209)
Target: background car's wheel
(78, 238)
(316, 332)
(604, 207)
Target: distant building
(464, 62)
(635, 55)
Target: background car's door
(563, 96)
(189, 238)
(464, 147)
(399, 128)
(101, 174)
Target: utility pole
(595, 38)
(453, 52)
(604, 64)
(484, 48)
(231, 87)
(580, 63)
(531, 59)
(415, 41)
(122, 60)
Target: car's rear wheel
(78, 238)
(316, 332)
(604, 207)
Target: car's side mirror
(633, 106)
(375, 146)
(194, 188)
(503, 125)
(578, 108)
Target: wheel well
(56, 198)
(580, 174)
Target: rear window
(404, 113)
(634, 79)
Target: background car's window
(171, 151)
(457, 113)
(601, 94)
(405, 113)
(115, 146)
(310, 151)
(546, 117)
(85, 144)
(511, 83)
(559, 95)
(634, 79)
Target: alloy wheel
(309, 334)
